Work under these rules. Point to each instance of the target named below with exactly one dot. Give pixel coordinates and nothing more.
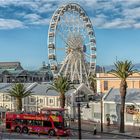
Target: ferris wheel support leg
(74, 72)
(81, 79)
(71, 72)
(66, 72)
(64, 64)
(86, 76)
(78, 76)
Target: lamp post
(79, 121)
(78, 100)
(101, 113)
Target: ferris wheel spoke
(62, 37)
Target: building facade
(38, 100)
(107, 81)
(109, 85)
(13, 72)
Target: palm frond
(123, 69)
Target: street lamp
(101, 105)
(78, 100)
(79, 120)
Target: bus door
(48, 125)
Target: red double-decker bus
(49, 122)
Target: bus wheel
(51, 132)
(25, 130)
(18, 129)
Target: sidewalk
(131, 131)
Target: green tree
(61, 85)
(19, 92)
(93, 82)
(123, 69)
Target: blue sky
(24, 26)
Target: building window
(51, 101)
(105, 85)
(32, 100)
(6, 98)
(41, 100)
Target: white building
(41, 99)
(38, 99)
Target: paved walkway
(131, 131)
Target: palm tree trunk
(62, 100)
(123, 88)
(122, 124)
(19, 104)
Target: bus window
(58, 125)
(17, 121)
(29, 122)
(24, 122)
(39, 123)
(47, 124)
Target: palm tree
(19, 92)
(92, 81)
(61, 85)
(123, 70)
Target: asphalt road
(85, 135)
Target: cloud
(11, 24)
(137, 25)
(41, 22)
(119, 23)
(34, 19)
(133, 13)
(103, 13)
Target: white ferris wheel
(71, 43)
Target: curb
(132, 136)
